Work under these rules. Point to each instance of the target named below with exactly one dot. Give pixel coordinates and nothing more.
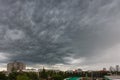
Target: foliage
(22, 77)
(44, 74)
(57, 77)
(13, 75)
(2, 76)
(33, 75)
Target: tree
(57, 77)
(32, 75)
(2, 76)
(13, 75)
(22, 77)
(44, 74)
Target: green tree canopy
(2, 76)
(22, 77)
(57, 77)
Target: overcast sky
(65, 34)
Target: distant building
(117, 68)
(30, 70)
(79, 70)
(112, 69)
(104, 69)
(53, 70)
(15, 66)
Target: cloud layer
(58, 31)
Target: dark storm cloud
(46, 31)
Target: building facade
(117, 68)
(15, 66)
(104, 69)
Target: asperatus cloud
(72, 33)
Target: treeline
(19, 76)
(51, 75)
(43, 75)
